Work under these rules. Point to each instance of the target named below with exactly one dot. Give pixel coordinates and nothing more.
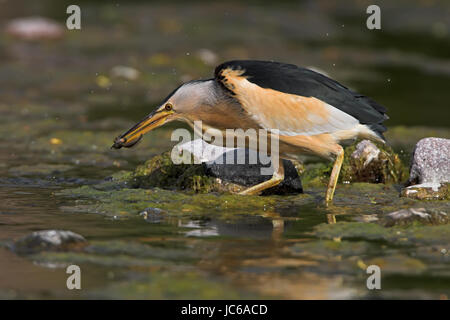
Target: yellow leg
(334, 176)
(277, 177)
(331, 218)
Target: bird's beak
(131, 137)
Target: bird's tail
(378, 128)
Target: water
(58, 122)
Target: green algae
(329, 248)
(124, 202)
(119, 254)
(141, 250)
(167, 285)
(344, 255)
(115, 198)
(413, 234)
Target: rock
(363, 162)
(427, 191)
(232, 165)
(250, 174)
(153, 215)
(48, 240)
(408, 216)
(367, 162)
(366, 151)
(430, 161)
(33, 28)
(209, 173)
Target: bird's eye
(168, 107)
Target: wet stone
(48, 240)
(427, 191)
(251, 174)
(153, 215)
(430, 161)
(411, 215)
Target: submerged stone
(412, 234)
(427, 191)
(48, 240)
(153, 215)
(411, 215)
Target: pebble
(430, 161)
(47, 240)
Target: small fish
(122, 142)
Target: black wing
(289, 78)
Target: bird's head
(184, 103)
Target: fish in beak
(134, 135)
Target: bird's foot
(248, 192)
(272, 182)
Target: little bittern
(311, 113)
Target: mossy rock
(386, 168)
(161, 172)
